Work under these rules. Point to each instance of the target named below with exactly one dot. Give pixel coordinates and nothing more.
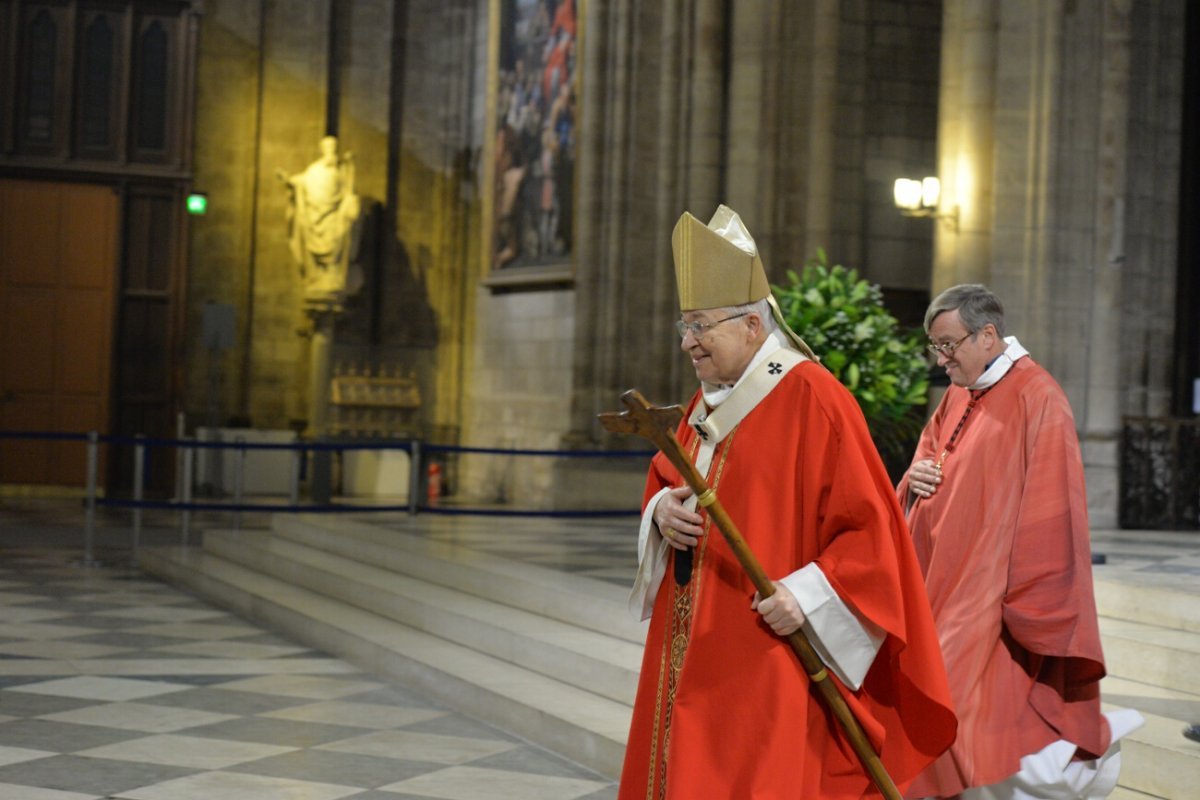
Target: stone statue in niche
(325, 224)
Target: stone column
(1100, 417)
(962, 253)
(322, 315)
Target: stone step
(1166, 657)
(1155, 759)
(578, 724)
(580, 601)
(593, 661)
(1123, 793)
(1137, 599)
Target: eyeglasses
(947, 349)
(698, 329)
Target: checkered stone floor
(115, 686)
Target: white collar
(1001, 364)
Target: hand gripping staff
(658, 425)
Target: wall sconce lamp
(922, 198)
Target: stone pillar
(962, 253)
(650, 135)
(818, 226)
(320, 341)
(1100, 422)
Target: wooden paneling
(29, 222)
(28, 323)
(58, 307)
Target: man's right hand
(679, 527)
(923, 478)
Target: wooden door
(58, 257)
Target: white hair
(760, 307)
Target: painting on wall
(532, 119)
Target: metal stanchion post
(185, 519)
(139, 481)
(89, 527)
(414, 477)
(294, 484)
(239, 471)
(180, 432)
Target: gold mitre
(717, 265)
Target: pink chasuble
(1004, 547)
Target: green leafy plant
(844, 320)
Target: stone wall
(404, 97)
(517, 395)
(799, 115)
(1058, 126)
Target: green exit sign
(197, 203)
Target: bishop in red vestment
(724, 709)
(998, 516)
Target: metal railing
(1160, 473)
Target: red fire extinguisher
(433, 487)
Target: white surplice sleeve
(846, 643)
(652, 562)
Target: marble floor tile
(97, 623)
(214, 785)
(414, 746)
(228, 649)
(60, 737)
(41, 631)
(14, 614)
(224, 701)
(310, 686)
(90, 687)
(139, 717)
(13, 598)
(26, 666)
(460, 726)
(362, 715)
(19, 704)
(272, 719)
(12, 791)
(185, 751)
(71, 773)
(473, 783)
(167, 614)
(196, 630)
(55, 648)
(130, 640)
(15, 755)
(135, 598)
(277, 731)
(352, 769)
(153, 664)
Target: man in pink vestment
(998, 514)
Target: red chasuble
(1004, 547)
(724, 708)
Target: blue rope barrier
(506, 512)
(334, 508)
(411, 446)
(51, 435)
(449, 448)
(389, 444)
